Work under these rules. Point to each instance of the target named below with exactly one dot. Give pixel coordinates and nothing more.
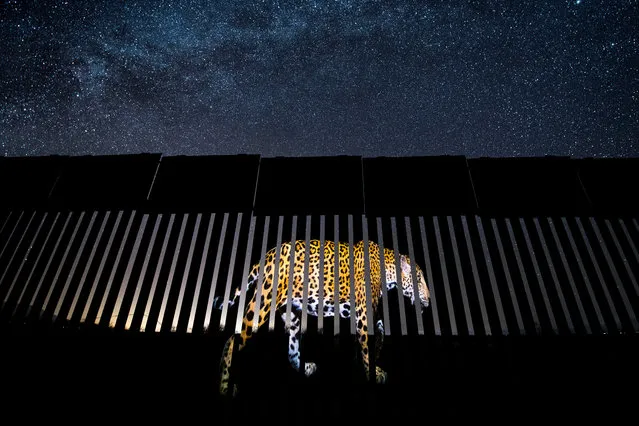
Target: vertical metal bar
(244, 286)
(336, 310)
(336, 293)
(634, 221)
(156, 276)
(48, 265)
(542, 286)
(629, 239)
(169, 279)
(261, 275)
(276, 273)
(105, 255)
(460, 275)
(320, 302)
(216, 271)
(13, 255)
(15, 226)
(351, 275)
(553, 274)
(491, 276)
(600, 277)
(6, 220)
(615, 276)
(367, 279)
(185, 275)
(571, 280)
(429, 273)
(88, 265)
(623, 257)
(200, 274)
(145, 265)
(128, 271)
(584, 274)
(307, 255)
(442, 264)
(398, 278)
(291, 273)
(74, 266)
(35, 264)
(229, 276)
(473, 264)
(384, 284)
(107, 290)
(24, 259)
(524, 278)
(61, 264)
(509, 280)
(416, 296)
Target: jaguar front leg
(362, 337)
(380, 375)
(294, 335)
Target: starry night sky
(334, 77)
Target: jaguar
(330, 306)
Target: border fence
(513, 250)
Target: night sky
(305, 78)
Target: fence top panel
(205, 183)
(528, 186)
(611, 184)
(379, 186)
(310, 185)
(438, 185)
(28, 181)
(115, 181)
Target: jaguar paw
(380, 376)
(310, 368)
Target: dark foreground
(115, 376)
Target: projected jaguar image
(258, 308)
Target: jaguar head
(408, 285)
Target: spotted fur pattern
(331, 307)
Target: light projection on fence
(306, 294)
(161, 273)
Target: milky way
(304, 78)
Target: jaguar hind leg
(225, 367)
(242, 339)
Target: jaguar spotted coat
(330, 306)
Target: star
(319, 78)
